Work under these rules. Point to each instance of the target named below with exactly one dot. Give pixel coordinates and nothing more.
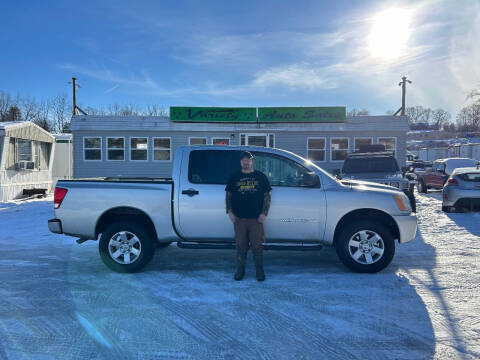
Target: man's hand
(231, 216)
(261, 218)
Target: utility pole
(74, 88)
(403, 84)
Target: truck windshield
(370, 164)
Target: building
(62, 167)
(25, 158)
(145, 146)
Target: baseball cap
(246, 154)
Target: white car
(462, 190)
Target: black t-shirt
(247, 193)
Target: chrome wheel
(366, 247)
(124, 247)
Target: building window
(338, 149)
(197, 141)
(362, 141)
(264, 140)
(316, 148)
(92, 148)
(138, 149)
(25, 150)
(389, 143)
(271, 138)
(161, 149)
(115, 148)
(220, 141)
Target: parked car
(133, 215)
(462, 190)
(380, 167)
(410, 158)
(419, 166)
(436, 177)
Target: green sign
(212, 114)
(302, 114)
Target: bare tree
(61, 112)
(94, 111)
(43, 118)
(440, 117)
(154, 110)
(468, 118)
(13, 114)
(30, 108)
(414, 114)
(426, 115)
(6, 102)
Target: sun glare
(389, 34)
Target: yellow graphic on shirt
(247, 185)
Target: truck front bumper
(407, 226)
(55, 226)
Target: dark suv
(380, 167)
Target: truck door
(200, 199)
(297, 211)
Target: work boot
(258, 259)
(241, 260)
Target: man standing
(247, 204)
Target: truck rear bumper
(55, 226)
(407, 225)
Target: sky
(243, 53)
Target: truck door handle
(190, 192)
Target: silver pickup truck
(309, 208)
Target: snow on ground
(58, 300)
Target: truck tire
(421, 187)
(126, 247)
(365, 246)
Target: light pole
(403, 84)
(74, 89)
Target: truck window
(280, 171)
(212, 166)
(370, 164)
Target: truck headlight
(402, 202)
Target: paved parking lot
(58, 300)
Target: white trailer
(26, 152)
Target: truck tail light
(452, 181)
(58, 196)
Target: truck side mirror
(311, 179)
